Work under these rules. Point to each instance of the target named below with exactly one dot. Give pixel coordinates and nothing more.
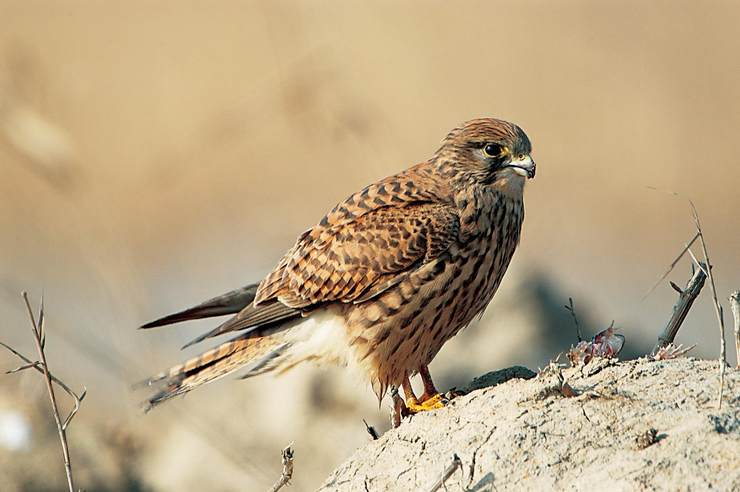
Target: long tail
(256, 354)
(238, 302)
(229, 303)
(263, 344)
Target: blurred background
(155, 154)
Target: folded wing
(360, 259)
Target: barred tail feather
(319, 337)
(259, 355)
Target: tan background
(155, 154)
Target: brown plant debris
(606, 344)
(646, 439)
(671, 351)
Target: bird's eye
(493, 150)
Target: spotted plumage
(386, 277)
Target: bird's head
(487, 151)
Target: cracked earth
(636, 425)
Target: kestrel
(384, 279)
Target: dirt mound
(626, 426)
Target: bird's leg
(408, 393)
(426, 378)
(413, 405)
(431, 398)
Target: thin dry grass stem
(735, 308)
(572, 310)
(39, 337)
(447, 473)
(717, 306)
(686, 249)
(698, 263)
(287, 473)
(686, 299)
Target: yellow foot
(432, 403)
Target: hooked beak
(524, 166)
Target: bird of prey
(384, 279)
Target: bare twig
(735, 307)
(41, 366)
(38, 366)
(61, 428)
(287, 473)
(681, 308)
(371, 430)
(452, 468)
(717, 307)
(686, 248)
(42, 325)
(572, 311)
(115, 362)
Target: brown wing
(359, 259)
(415, 186)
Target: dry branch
(287, 473)
(39, 337)
(572, 311)
(371, 430)
(717, 307)
(686, 299)
(735, 307)
(452, 468)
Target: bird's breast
(481, 259)
(408, 324)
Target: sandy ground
(637, 425)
